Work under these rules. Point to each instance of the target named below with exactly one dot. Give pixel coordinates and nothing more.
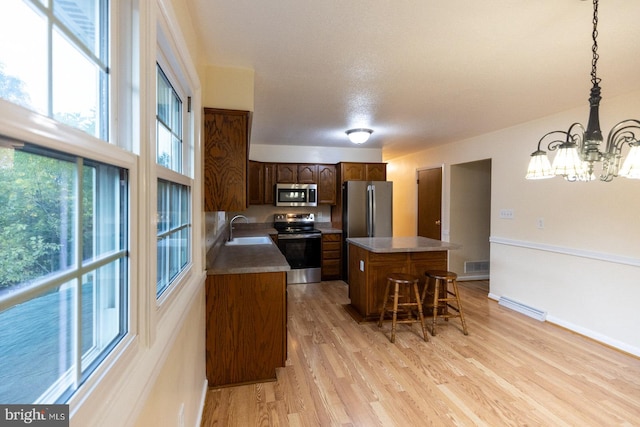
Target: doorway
(430, 203)
(470, 219)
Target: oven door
(303, 252)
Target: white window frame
(127, 374)
(23, 124)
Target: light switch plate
(361, 265)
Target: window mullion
(77, 324)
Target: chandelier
(578, 150)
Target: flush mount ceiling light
(579, 149)
(359, 136)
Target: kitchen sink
(252, 240)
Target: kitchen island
(371, 259)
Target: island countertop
(401, 244)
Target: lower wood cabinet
(331, 256)
(246, 327)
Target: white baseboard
(203, 399)
(602, 339)
(595, 336)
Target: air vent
(476, 266)
(524, 309)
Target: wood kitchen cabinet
(246, 327)
(256, 183)
(331, 256)
(269, 183)
(351, 171)
(226, 161)
(287, 173)
(375, 171)
(327, 184)
(262, 178)
(307, 174)
(297, 173)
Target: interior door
(430, 203)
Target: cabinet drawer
(332, 237)
(330, 246)
(331, 254)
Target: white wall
(583, 267)
(299, 154)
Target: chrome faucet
(231, 224)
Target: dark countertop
(251, 258)
(247, 259)
(401, 244)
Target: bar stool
(443, 297)
(408, 281)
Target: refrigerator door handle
(371, 205)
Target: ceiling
(418, 72)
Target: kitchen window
(53, 60)
(63, 270)
(174, 184)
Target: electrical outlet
(506, 213)
(361, 265)
(540, 223)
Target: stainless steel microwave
(296, 195)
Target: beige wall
(588, 250)
(180, 384)
(229, 88)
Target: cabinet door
(269, 183)
(287, 173)
(246, 327)
(376, 171)
(307, 174)
(327, 186)
(256, 183)
(352, 171)
(226, 162)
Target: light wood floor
(509, 371)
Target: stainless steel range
(301, 245)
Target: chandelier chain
(594, 62)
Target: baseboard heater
(524, 309)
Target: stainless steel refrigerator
(366, 212)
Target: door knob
(437, 222)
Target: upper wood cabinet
(269, 183)
(256, 183)
(287, 173)
(226, 161)
(327, 184)
(376, 171)
(296, 173)
(307, 174)
(262, 178)
(350, 171)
